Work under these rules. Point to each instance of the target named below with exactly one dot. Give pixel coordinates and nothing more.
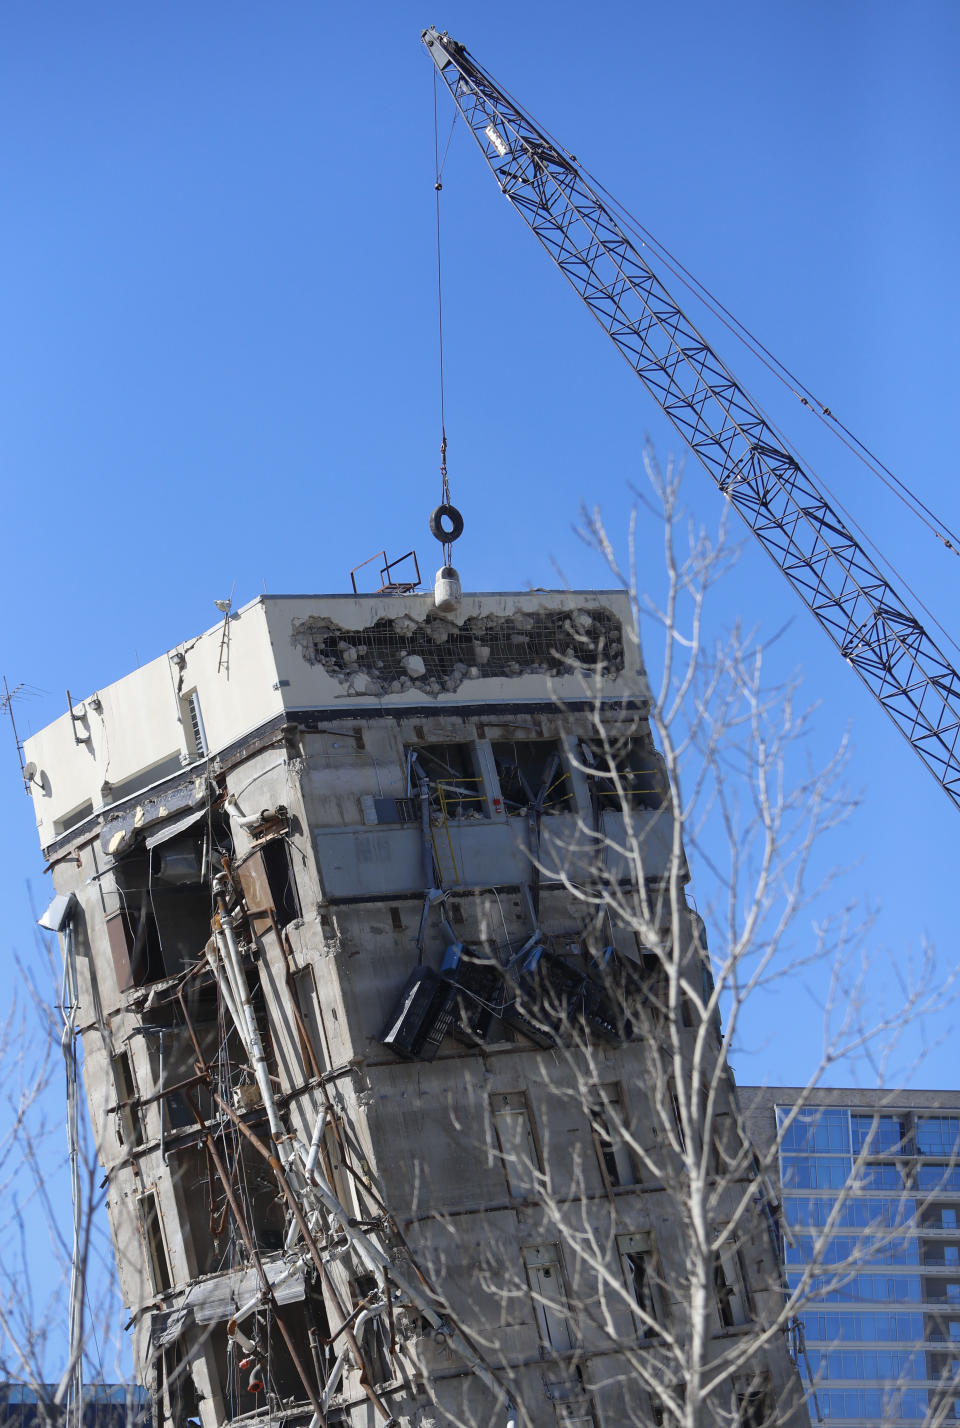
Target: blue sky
(219, 365)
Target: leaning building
(366, 1053)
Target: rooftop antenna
(28, 772)
(226, 606)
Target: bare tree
(690, 1319)
(60, 1313)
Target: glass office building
(870, 1193)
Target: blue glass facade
(871, 1205)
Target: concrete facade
(350, 1035)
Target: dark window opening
(164, 917)
(278, 867)
(626, 773)
(641, 1271)
(728, 1282)
(606, 1115)
(640, 1285)
(153, 1237)
(129, 1121)
(456, 788)
(756, 1408)
(532, 775)
(374, 1337)
(179, 1388)
(267, 1378)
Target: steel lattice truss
(854, 603)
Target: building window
(624, 772)
(152, 1228)
(938, 1177)
(532, 774)
(129, 1121)
(729, 1282)
(607, 1122)
(516, 1142)
(820, 1129)
(278, 867)
(877, 1135)
(938, 1135)
(163, 918)
(644, 1280)
(550, 1304)
(755, 1406)
(456, 787)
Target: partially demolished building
(360, 1033)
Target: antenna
(226, 608)
(19, 691)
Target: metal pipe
(315, 1142)
(426, 837)
(330, 1387)
(309, 1166)
(258, 1265)
(226, 939)
(245, 820)
(372, 1256)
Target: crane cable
(847, 438)
(934, 523)
(437, 188)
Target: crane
(873, 628)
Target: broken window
(729, 1281)
(532, 774)
(152, 1229)
(517, 1143)
(129, 1121)
(644, 1280)
(756, 1406)
(163, 919)
(624, 772)
(456, 787)
(550, 1306)
(605, 1107)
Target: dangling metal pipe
(230, 953)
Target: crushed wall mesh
(436, 656)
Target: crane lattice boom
(855, 604)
